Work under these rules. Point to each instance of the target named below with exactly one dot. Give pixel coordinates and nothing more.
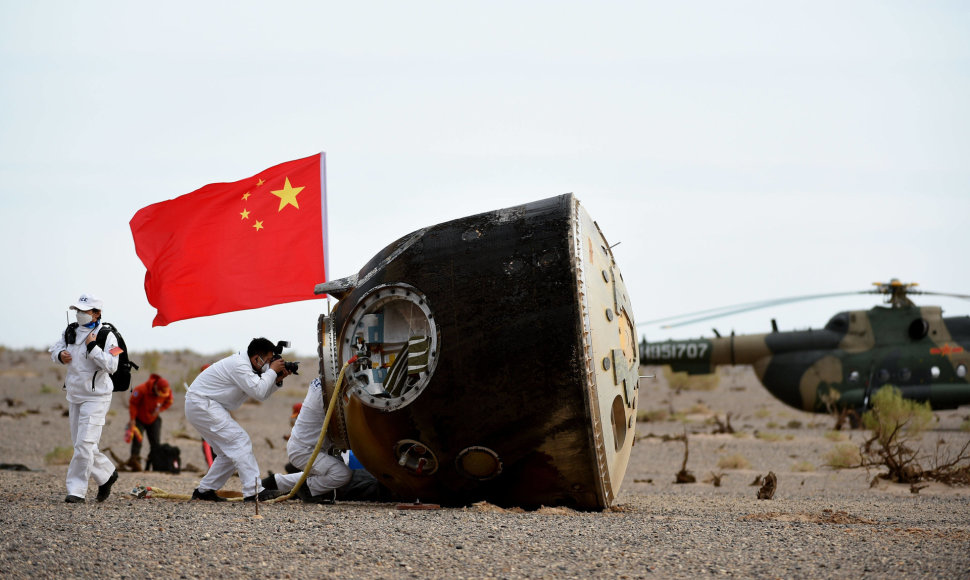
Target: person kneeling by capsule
(328, 472)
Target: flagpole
(323, 211)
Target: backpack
(121, 378)
(164, 457)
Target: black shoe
(327, 497)
(104, 490)
(73, 499)
(265, 495)
(269, 482)
(209, 495)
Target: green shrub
(892, 416)
(59, 456)
(843, 456)
(685, 382)
(736, 461)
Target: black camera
(291, 367)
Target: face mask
(265, 366)
(85, 319)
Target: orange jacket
(145, 405)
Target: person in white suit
(88, 386)
(328, 472)
(223, 387)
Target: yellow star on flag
(260, 182)
(258, 225)
(287, 195)
(245, 214)
(245, 196)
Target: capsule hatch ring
(479, 463)
(392, 338)
(415, 457)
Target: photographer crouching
(223, 387)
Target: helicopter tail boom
(702, 356)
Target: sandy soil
(820, 523)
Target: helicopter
(913, 348)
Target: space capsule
(491, 357)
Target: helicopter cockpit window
(838, 323)
(883, 375)
(962, 371)
(393, 340)
(854, 377)
(904, 374)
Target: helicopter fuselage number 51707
(677, 350)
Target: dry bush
(762, 413)
(841, 414)
(767, 436)
(965, 426)
(684, 382)
(59, 456)
(149, 361)
(836, 436)
(803, 467)
(699, 409)
(736, 461)
(655, 415)
(843, 456)
(722, 426)
(895, 423)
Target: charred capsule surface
(490, 357)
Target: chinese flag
(234, 246)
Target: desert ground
(820, 522)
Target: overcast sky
(736, 150)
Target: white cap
(87, 302)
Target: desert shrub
(843, 456)
(735, 461)
(836, 436)
(803, 467)
(767, 436)
(771, 425)
(699, 409)
(894, 423)
(47, 389)
(150, 360)
(892, 416)
(762, 413)
(794, 424)
(59, 456)
(965, 426)
(655, 415)
(684, 382)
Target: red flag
(234, 246)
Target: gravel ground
(821, 523)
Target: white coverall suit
(89, 387)
(222, 387)
(328, 472)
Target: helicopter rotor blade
(964, 296)
(712, 313)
